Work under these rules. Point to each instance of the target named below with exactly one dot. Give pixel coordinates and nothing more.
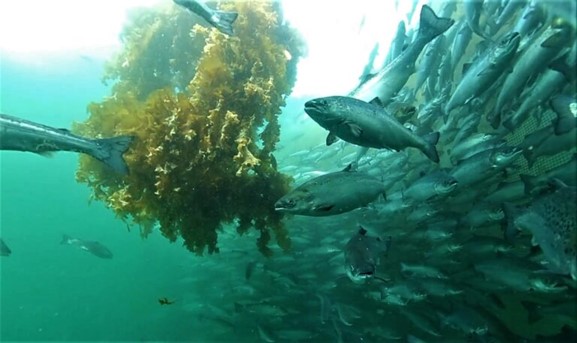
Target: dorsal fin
(351, 167)
(465, 68)
(376, 101)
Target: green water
(56, 292)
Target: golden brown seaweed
(204, 108)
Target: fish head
(505, 156)
(303, 202)
(508, 44)
(362, 254)
(360, 274)
(325, 111)
(360, 261)
(446, 186)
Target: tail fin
(110, 151)
(511, 212)
(530, 182)
(529, 156)
(430, 149)
(65, 239)
(430, 25)
(225, 21)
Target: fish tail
(65, 239)
(226, 19)
(512, 121)
(529, 156)
(110, 151)
(510, 231)
(495, 119)
(430, 25)
(529, 181)
(430, 148)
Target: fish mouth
(446, 186)
(365, 275)
(315, 107)
(284, 205)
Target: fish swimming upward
(24, 135)
(93, 247)
(552, 220)
(222, 20)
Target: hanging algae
(204, 108)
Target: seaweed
(204, 108)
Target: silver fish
(532, 62)
(24, 135)
(362, 255)
(483, 165)
(484, 72)
(548, 83)
(368, 125)
(431, 186)
(222, 20)
(552, 220)
(397, 43)
(460, 43)
(429, 63)
(93, 247)
(331, 194)
(473, 9)
(387, 82)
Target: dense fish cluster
(475, 238)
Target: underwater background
(53, 292)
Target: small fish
(552, 220)
(483, 73)
(532, 61)
(367, 124)
(4, 250)
(93, 247)
(331, 194)
(473, 9)
(362, 255)
(391, 79)
(222, 20)
(24, 135)
(165, 301)
(431, 186)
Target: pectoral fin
(331, 138)
(324, 208)
(355, 129)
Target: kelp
(204, 108)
